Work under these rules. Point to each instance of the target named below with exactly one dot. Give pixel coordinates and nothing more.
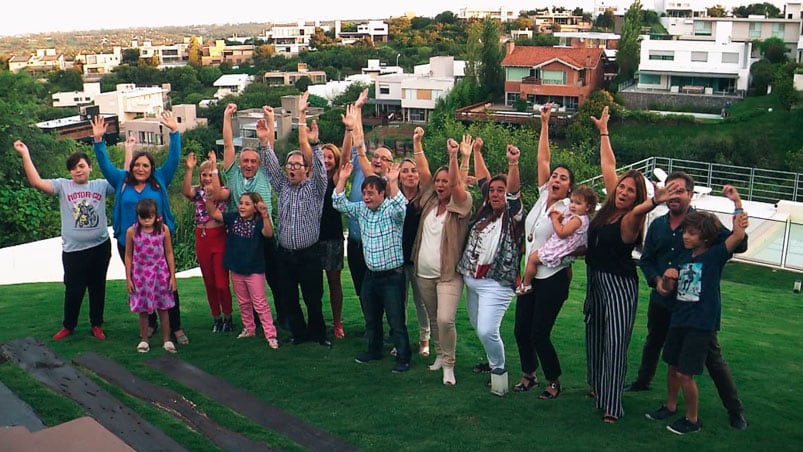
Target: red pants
(210, 243)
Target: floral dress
(150, 274)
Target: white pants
(487, 301)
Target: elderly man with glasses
(300, 195)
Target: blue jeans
(383, 292)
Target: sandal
(169, 347)
(609, 419)
(181, 338)
(526, 383)
(482, 368)
(546, 395)
(273, 343)
(143, 347)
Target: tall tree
(627, 57)
(492, 79)
(473, 51)
(194, 52)
(716, 11)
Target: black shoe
(366, 357)
(683, 426)
(217, 327)
(482, 368)
(325, 342)
(296, 340)
(228, 325)
(660, 414)
(400, 367)
(637, 387)
(737, 420)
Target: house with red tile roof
(563, 75)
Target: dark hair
(588, 195)
(706, 223)
(681, 175)
(568, 170)
(297, 152)
(255, 198)
(374, 181)
(608, 209)
(75, 158)
(129, 176)
(146, 208)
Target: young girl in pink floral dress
(150, 271)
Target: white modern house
(96, 65)
(694, 67)
(77, 98)
(129, 102)
(231, 84)
(377, 30)
(290, 39)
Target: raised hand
(513, 154)
(191, 161)
(267, 111)
(466, 145)
(602, 121)
(665, 193)
(230, 110)
(212, 156)
(169, 121)
(393, 172)
(546, 111)
(731, 193)
(262, 208)
(350, 118)
(130, 144)
(21, 148)
(312, 132)
(345, 170)
(98, 128)
(263, 132)
(477, 147)
(452, 146)
(418, 134)
(362, 99)
(303, 103)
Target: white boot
(437, 364)
(448, 376)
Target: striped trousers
(610, 312)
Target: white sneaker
(437, 364)
(448, 376)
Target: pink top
(201, 214)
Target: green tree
(130, 56)
(627, 57)
(69, 80)
(761, 75)
(207, 75)
(491, 76)
(716, 11)
(773, 50)
(302, 83)
(762, 9)
(605, 20)
(783, 87)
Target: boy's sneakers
(737, 420)
(660, 414)
(217, 327)
(98, 333)
(228, 325)
(683, 426)
(63, 332)
(245, 334)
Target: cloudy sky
(61, 15)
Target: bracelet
(654, 204)
(738, 210)
(314, 143)
(513, 164)
(215, 172)
(349, 130)
(418, 153)
(603, 135)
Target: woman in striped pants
(612, 291)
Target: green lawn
(373, 409)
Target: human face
(295, 169)
(496, 194)
(692, 240)
(142, 169)
(249, 163)
(625, 194)
(442, 188)
(408, 175)
(146, 222)
(206, 177)
(560, 182)
(329, 160)
(680, 199)
(578, 206)
(372, 198)
(80, 173)
(380, 161)
(246, 207)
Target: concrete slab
(15, 412)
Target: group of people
(411, 231)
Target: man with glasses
(300, 199)
(663, 245)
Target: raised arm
(304, 137)
(212, 210)
(607, 159)
(740, 222)
(170, 165)
(465, 156)
(215, 190)
(732, 193)
(456, 185)
(513, 181)
(228, 136)
(186, 188)
(633, 220)
(393, 179)
(359, 142)
(270, 118)
(343, 175)
(348, 123)
(113, 174)
(30, 170)
(544, 154)
(267, 225)
(480, 170)
(421, 163)
(130, 145)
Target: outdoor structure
(285, 122)
(219, 53)
(44, 60)
(231, 84)
(565, 76)
(290, 39)
(79, 127)
(333, 88)
(552, 21)
(130, 102)
(502, 14)
(287, 78)
(95, 65)
(77, 98)
(377, 30)
(173, 55)
(149, 132)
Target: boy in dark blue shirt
(696, 314)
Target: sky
(64, 16)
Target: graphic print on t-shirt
(690, 282)
(85, 214)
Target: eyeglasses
(294, 165)
(384, 159)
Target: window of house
(662, 55)
(423, 94)
(730, 57)
(778, 30)
(384, 89)
(511, 98)
(702, 28)
(416, 114)
(755, 30)
(699, 56)
(553, 77)
(649, 79)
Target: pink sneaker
(98, 333)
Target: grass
(373, 409)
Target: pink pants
(210, 244)
(250, 292)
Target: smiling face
(141, 169)
(207, 175)
(246, 207)
(295, 168)
(372, 197)
(496, 194)
(329, 161)
(560, 183)
(80, 172)
(408, 175)
(381, 161)
(249, 163)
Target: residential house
(129, 102)
(375, 69)
(214, 55)
(333, 88)
(552, 21)
(502, 14)
(682, 8)
(77, 98)
(377, 30)
(291, 77)
(149, 132)
(95, 66)
(285, 122)
(291, 39)
(43, 61)
(79, 127)
(232, 84)
(563, 75)
(173, 55)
